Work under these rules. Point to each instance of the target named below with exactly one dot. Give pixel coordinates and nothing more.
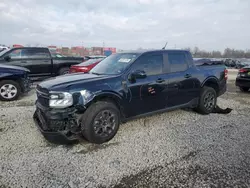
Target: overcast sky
(127, 24)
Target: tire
(64, 70)
(93, 115)
(207, 107)
(244, 89)
(10, 86)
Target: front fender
(10, 76)
(3, 75)
(85, 98)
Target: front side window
(150, 64)
(177, 62)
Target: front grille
(42, 96)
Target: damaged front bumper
(58, 126)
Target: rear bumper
(242, 82)
(64, 135)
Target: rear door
(183, 85)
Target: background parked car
(39, 61)
(243, 79)
(85, 66)
(94, 57)
(13, 82)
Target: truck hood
(13, 67)
(68, 79)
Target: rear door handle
(23, 61)
(187, 75)
(160, 80)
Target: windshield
(114, 64)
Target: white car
(2, 48)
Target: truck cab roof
(148, 51)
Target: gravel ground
(175, 149)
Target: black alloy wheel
(209, 101)
(100, 122)
(104, 123)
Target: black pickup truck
(121, 87)
(39, 61)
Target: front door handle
(23, 61)
(187, 75)
(160, 80)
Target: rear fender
(210, 79)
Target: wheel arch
(12, 77)
(211, 82)
(108, 96)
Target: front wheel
(244, 89)
(9, 90)
(100, 122)
(207, 101)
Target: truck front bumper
(55, 126)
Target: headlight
(60, 99)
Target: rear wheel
(244, 89)
(9, 90)
(64, 70)
(207, 101)
(100, 122)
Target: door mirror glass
(7, 58)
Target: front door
(16, 58)
(147, 94)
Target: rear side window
(177, 61)
(150, 64)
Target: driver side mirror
(138, 74)
(7, 58)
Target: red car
(85, 66)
